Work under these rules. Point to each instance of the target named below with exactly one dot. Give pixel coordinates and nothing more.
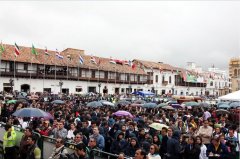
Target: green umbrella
(11, 101)
(162, 105)
(191, 104)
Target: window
(211, 83)
(170, 79)
(78, 89)
(106, 75)
(25, 66)
(235, 72)
(11, 66)
(163, 79)
(93, 74)
(156, 78)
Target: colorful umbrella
(123, 113)
(157, 126)
(11, 101)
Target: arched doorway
(25, 88)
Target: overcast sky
(172, 32)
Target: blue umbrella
(234, 104)
(32, 112)
(149, 105)
(224, 106)
(176, 106)
(94, 104)
(57, 102)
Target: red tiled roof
(155, 65)
(27, 57)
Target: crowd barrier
(46, 144)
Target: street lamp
(99, 86)
(11, 81)
(61, 84)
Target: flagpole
(78, 71)
(14, 74)
(67, 67)
(0, 63)
(44, 70)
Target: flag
(126, 62)
(46, 51)
(81, 60)
(16, 49)
(58, 55)
(93, 60)
(34, 50)
(133, 66)
(130, 63)
(112, 61)
(2, 49)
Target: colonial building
(55, 72)
(234, 73)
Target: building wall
(234, 73)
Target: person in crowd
(216, 149)
(181, 127)
(163, 147)
(154, 152)
(203, 148)
(59, 149)
(173, 146)
(59, 131)
(33, 151)
(192, 150)
(79, 153)
(45, 129)
(9, 142)
(156, 140)
(206, 114)
(233, 143)
(217, 131)
(205, 132)
(99, 138)
(71, 131)
(140, 154)
(23, 143)
(119, 145)
(92, 145)
(132, 147)
(121, 155)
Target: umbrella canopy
(176, 106)
(191, 104)
(94, 104)
(172, 102)
(157, 126)
(168, 107)
(222, 103)
(162, 105)
(234, 104)
(32, 112)
(122, 103)
(123, 113)
(149, 105)
(57, 102)
(224, 106)
(140, 102)
(105, 102)
(222, 111)
(204, 104)
(11, 101)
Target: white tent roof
(235, 96)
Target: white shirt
(154, 156)
(70, 134)
(203, 153)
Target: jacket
(221, 150)
(173, 146)
(192, 153)
(9, 140)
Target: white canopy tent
(235, 96)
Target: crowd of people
(197, 133)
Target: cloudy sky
(172, 32)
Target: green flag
(34, 50)
(2, 49)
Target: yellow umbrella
(158, 126)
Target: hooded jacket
(130, 150)
(173, 146)
(118, 145)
